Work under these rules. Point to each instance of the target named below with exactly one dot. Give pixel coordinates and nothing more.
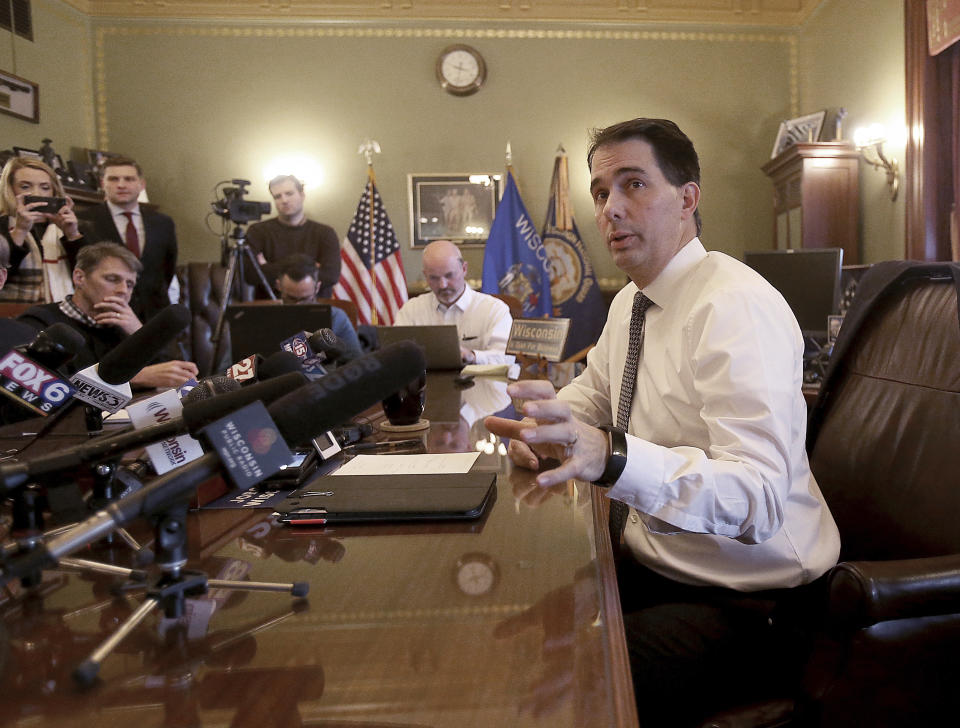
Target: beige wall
(198, 103)
(852, 55)
(59, 60)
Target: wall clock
(461, 70)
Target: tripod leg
(297, 588)
(86, 672)
(228, 279)
(259, 271)
(98, 568)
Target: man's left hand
(549, 430)
(114, 311)
(165, 375)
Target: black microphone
(324, 341)
(132, 354)
(55, 346)
(195, 416)
(211, 387)
(348, 391)
(299, 415)
(30, 376)
(105, 384)
(278, 363)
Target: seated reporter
(103, 278)
(299, 284)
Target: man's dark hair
(119, 161)
(672, 149)
(297, 267)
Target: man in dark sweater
(104, 279)
(290, 232)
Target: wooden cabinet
(816, 197)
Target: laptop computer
(440, 344)
(258, 328)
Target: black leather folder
(375, 498)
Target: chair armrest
(862, 593)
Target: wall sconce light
(869, 141)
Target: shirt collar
(687, 258)
(461, 303)
(117, 210)
(69, 308)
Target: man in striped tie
(690, 415)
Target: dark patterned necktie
(131, 238)
(619, 510)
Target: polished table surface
(511, 620)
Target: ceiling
(776, 13)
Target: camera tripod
(171, 587)
(233, 282)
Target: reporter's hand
(165, 375)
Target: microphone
(29, 373)
(211, 387)
(195, 416)
(106, 384)
(324, 341)
(348, 391)
(254, 368)
(299, 415)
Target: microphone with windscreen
(299, 416)
(30, 376)
(106, 383)
(324, 341)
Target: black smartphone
(52, 205)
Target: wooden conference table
(512, 620)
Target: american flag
(378, 285)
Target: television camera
(233, 207)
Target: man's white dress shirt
(717, 476)
(483, 322)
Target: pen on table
(385, 445)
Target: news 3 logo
(33, 385)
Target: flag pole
(368, 149)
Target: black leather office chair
(884, 444)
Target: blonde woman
(39, 241)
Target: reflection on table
(508, 620)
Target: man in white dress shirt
(483, 321)
(706, 447)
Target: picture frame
(95, 160)
(455, 207)
(19, 97)
(29, 153)
(802, 129)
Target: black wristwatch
(616, 456)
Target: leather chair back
(202, 291)
(887, 439)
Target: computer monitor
(808, 279)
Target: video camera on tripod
(233, 207)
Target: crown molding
(775, 13)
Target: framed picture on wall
(19, 97)
(29, 153)
(455, 207)
(802, 129)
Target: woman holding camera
(39, 232)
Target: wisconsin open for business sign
(539, 337)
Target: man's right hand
(165, 375)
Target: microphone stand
(171, 586)
(234, 277)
